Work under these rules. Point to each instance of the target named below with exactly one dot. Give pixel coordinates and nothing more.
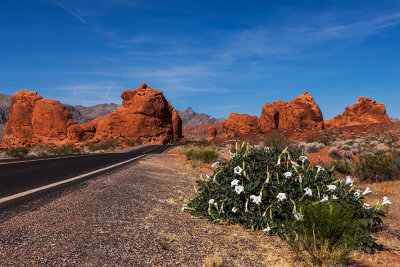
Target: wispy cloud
(70, 11)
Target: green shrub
(326, 234)
(324, 138)
(110, 144)
(277, 140)
(377, 168)
(136, 142)
(17, 152)
(201, 155)
(261, 188)
(343, 166)
(42, 149)
(65, 150)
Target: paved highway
(17, 176)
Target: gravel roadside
(131, 217)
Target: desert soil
(132, 217)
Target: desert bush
(277, 140)
(204, 155)
(343, 166)
(377, 168)
(136, 142)
(334, 153)
(109, 144)
(41, 150)
(265, 188)
(326, 233)
(348, 154)
(65, 150)
(17, 152)
(324, 138)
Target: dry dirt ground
(132, 217)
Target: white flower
(215, 164)
(287, 174)
(308, 191)
(325, 198)
(349, 181)
(266, 181)
(331, 187)
(319, 168)
(334, 197)
(295, 164)
(367, 191)
(239, 189)
(183, 208)
(211, 201)
(300, 178)
(237, 170)
(234, 209)
(268, 149)
(299, 216)
(367, 206)
(357, 193)
(235, 182)
(303, 158)
(281, 196)
(386, 201)
(267, 230)
(208, 176)
(256, 199)
(279, 161)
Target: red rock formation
(144, 114)
(301, 112)
(240, 124)
(212, 133)
(34, 119)
(364, 111)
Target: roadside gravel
(131, 217)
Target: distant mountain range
(86, 114)
(190, 117)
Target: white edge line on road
(169, 149)
(5, 199)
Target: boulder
(301, 112)
(34, 119)
(144, 114)
(364, 111)
(239, 125)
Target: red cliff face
(144, 114)
(34, 119)
(364, 111)
(240, 124)
(301, 112)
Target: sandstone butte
(239, 125)
(301, 112)
(364, 111)
(144, 114)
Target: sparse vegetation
(277, 140)
(344, 166)
(17, 152)
(65, 150)
(109, 144)
(377, 168)
(200, 155)
(324, 138)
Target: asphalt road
(20, 175)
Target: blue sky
(215, 56)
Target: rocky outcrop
(190, 117)
(364, 111)
(240, 125)
(144, 114)
(212, 133)
(34, 119)
(301, 112)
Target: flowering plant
(266, 188)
